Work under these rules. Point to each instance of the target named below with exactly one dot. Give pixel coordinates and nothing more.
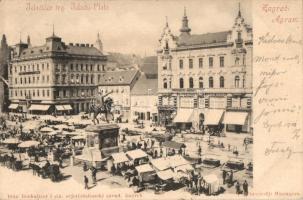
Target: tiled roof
(145, 86)
(202, 39)
(78, 50)
(150, 65)
(118, 77)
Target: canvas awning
(237, 118)
(173, 144)
(184, 116)
(166, 174)
(63, 107)
(119, 157)
(144, 168)
(39, 107)
(160, 164)
(213, 117)
(136, 154)
(13, 106)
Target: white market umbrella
(30, 143)
(46, 129)
(11, 141)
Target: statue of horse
(105, 109)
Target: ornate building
(54, 77)
(206, 79)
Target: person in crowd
(85, 182)
(113, 170)
(161, 152)
(94, 174)
(224, 173)
(231, 177)
(144, 145)
(156, 154)
(84, 167)
(199, 150)
(180, 151)
(238, 191)
(152, 143)
(245, 188)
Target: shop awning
(166, 174)
(160, 164)
(39, 107)
(237, 118)
(184, 116)
(213, 117)
(119, 157)
(13, 106)
(144, 168)
(63, 107)
(135, 154)
(173, 144)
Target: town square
(177, 121)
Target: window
(20, 80)
(103, 67)
(43, 79)
(34, 79)
(181, 82)
(190, 63)
(38, 93)
(77, 67)
(237, 80)
(43, 92)
(47, 78)
(34, 93)
(221, 61)
(200, 82)
(81, 67)
(98, 67)
(221, 82)
(200, 62)
(57, 78)
(99, 78)
(47, 93)
(237, 60)
(72, 78)
(63, 79)
(92, 79)
(71, 67)
(91, 68)
(211, 61)
(16, 81)
(64, 93)
(87, 78)
(165, 83)
(47, 66)
(243, 82)
(86, 67)
(25, 80)
(210, 82)
(21, 93)
(29, 80)
(181, 64)
(191, 82)
(38, 68)
(81, 79)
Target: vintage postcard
(151, 99)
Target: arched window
(200, 82)
(237, 60)
(165, 83)
(210, 82)
(181, 82)
(191, 82)
(221, 82)
(243, 81)
(237, 80)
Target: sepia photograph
(126, 99)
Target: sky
(128, 26)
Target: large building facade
(206, 79)
(54, 77)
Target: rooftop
(202, 39)
(118, 77)
(145, 86)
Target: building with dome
(205, 80)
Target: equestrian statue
(100, 105)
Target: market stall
(137, 156)
(212, 184)
(145, 173)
